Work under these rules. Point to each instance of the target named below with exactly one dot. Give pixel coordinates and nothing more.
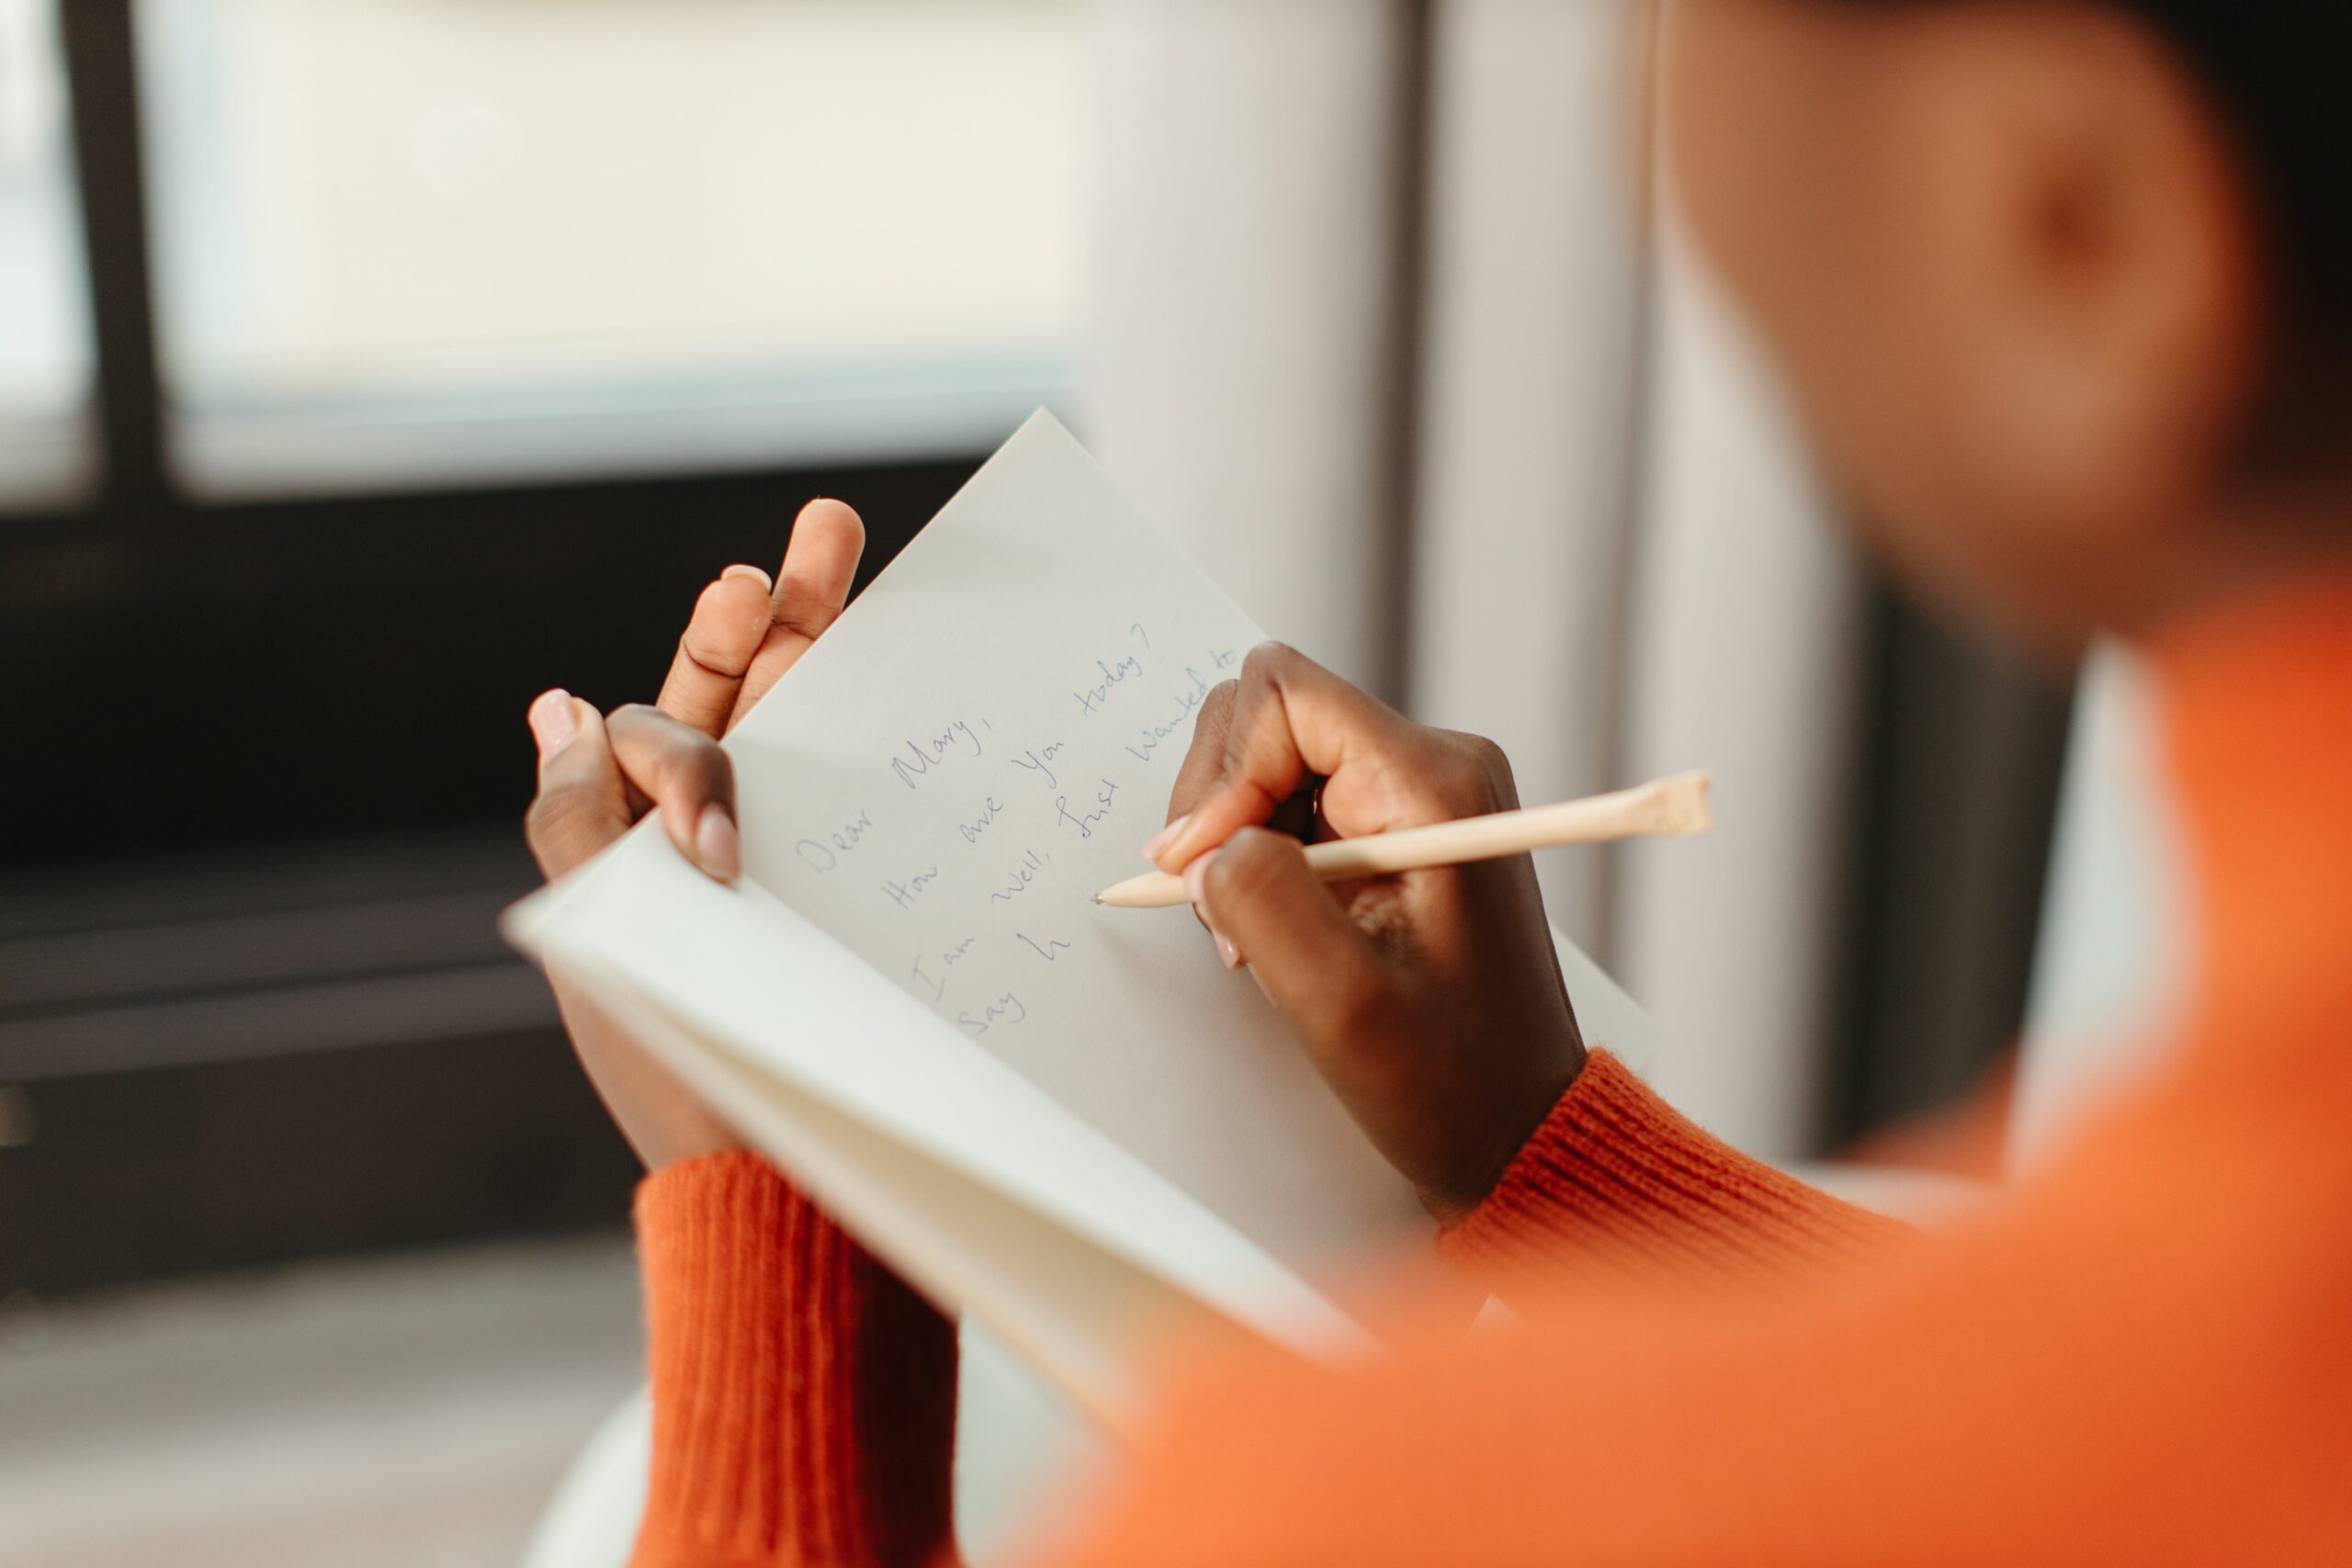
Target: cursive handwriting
(1092, 698)
(1084, 819)
(825, 854)
(1017, 881)
(1006, 1010)
(1047, 951)
(1188, 701)
(904, 894)
(923, 756)
(947, 960)
(1035, 761)
(980, 824)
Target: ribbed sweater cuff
(804, 1398)
(1616, 1179)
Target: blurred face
(1998, 253)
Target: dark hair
(2277, 70)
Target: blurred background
(368, 366)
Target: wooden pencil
(1667, 809)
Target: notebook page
(983, 741)
(955, 1169)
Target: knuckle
(534, 822)
(1247, 866)
(1269, 661)
(710, 647)
(1478, 774)
(544, 820)
(803, 609)
(1212, 725)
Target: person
(2057, 286)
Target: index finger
(716, 651)
(1204, 761)
(819, 564)
(1291, 718)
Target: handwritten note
(985, 739)
(929, 801)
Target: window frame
(216, 682)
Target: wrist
(1518, 1116)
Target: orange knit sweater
(2143, 1355)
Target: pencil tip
(1098, 899)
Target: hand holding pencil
(1667, 809)
(1430, 1000)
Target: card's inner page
(984, 740)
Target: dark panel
(147, 1175)
(210, 676)
(1962, 757)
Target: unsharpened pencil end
(1682, 809)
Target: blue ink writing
(1006, 1010)
(1084, 819)
(947, 960)
(1035, 763)
(923, 756)
(980, 824)
(1017, 880)
(904, 894)
(823, 854)
(1092, 697)
(1188, 701)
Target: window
(419, 241)
(47, 441)
(527, 296)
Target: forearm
(2138, 1360)
(1615, 1180)
(804, 1397)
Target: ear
(2095, 261)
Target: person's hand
(598, 774)
(1430, 1001)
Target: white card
(928, 802)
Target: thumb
(1328, 978)
(583, 803)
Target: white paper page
(729, 982)
(1086, 1312)
(983, 741)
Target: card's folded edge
(808, 1134)
(1087, 1316)
(1091, 1322)
(1261, 1295)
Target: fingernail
(554, 721)
(767, 583)
(1196, 877)
(717, 845)
(1227, 950)
(1161, 839)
